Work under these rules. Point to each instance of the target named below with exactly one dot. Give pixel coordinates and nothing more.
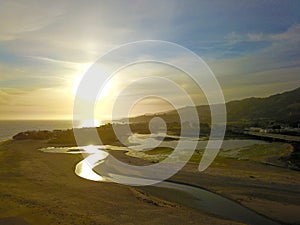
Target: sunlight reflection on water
(85, 167)
(97, 153)
(201, 199)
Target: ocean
(8, 128)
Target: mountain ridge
(281, 107)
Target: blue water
(9, 128)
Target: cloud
(74, 31)
(282, 52)
(45, 45)
(43, 103)
(291, 34)
(4, 97)
(268, 70)
(19, 17)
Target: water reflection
(97, 154)
(191, 196)
(84, 168)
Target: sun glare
(90, 123)
(76, 84)
(84, 170)
(106, 90)
(81, 71)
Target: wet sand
(268, 190)
(41, 188)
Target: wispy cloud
(46, 45)
(20, 17)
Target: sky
(46, 47)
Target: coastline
(268, 190)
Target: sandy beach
(41, 188)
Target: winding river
(191, 196)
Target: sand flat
(41, 188)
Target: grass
(159, 150)
(257, 152)
(261, 152)
(166, 151)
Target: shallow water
(198, 198)
(191, 196)
(155, 141)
